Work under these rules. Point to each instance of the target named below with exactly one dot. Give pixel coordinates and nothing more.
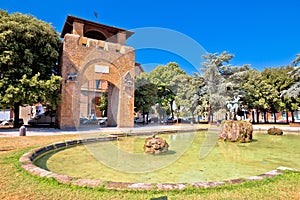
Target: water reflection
(123, 156)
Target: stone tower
(91, 53)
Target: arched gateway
(94, 53)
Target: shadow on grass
(160, 198)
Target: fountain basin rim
(27, 164)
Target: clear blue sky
(263, 33)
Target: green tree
(164, 77)
(203, 107)
(214, 82)
(297, 60)
(188, 93)
(259, 94)
(145, 95)
(290, 95)
(183, 93)
(29, 51)
(294, 90)
(103, 101)
(280, 80)
(221, 80)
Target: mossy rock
(236, 131)
(275, 131)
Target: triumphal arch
(95, 60)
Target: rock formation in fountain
(236, 131)
(155, 145)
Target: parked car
(93, 121)
(43, 118)
(138, 120)
(7, 123)
(169, 120)
(84, 120)
(102, 121)
(10, 122)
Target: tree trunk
(293, 117)
(208, 117)
(275, 119)
(253, 117)
(234, 115)
(147, 116)
(172, 111)
(287, 116)
(16, 115)
(143, 117)
(265, 116)
(163, 118)
(257, 116)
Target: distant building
(138, 69)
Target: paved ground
(139, 129)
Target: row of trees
(169, 91)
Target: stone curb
(27, 159)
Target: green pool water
(124, 160)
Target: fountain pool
(124, 160)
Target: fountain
(113, 163)
(124, 161)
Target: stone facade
(86, 59)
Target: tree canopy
(164, 77)
(29, 51)
(294, 90)
(145, 94)
(221, 80)
(258, 93)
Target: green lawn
(15, 183)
